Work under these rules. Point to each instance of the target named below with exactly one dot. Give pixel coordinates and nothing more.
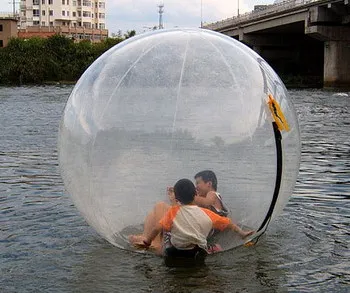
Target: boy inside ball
(206, 197)
(186, 226)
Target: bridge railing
(270, 9)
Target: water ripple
(46, 246)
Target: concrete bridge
(306, 38)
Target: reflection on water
(47, 247)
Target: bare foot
(136, 240)
(245, 234)
(214, 248)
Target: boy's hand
(171, 195)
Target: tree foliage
(57, 58)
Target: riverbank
(61, 61)
(302, 82)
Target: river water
(46, 246)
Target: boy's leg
(151, 220)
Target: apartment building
(83, 19)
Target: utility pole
(237, 8)
(201, 13)
(13, 2)
(160, 11)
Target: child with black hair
(188, 224)
(207, 195)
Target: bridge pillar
(336, 64)
(336, 53)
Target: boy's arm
(222, 223)
(207, 201)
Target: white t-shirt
(190, 225)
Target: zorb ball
(165, 105)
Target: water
(46, 246)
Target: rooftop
(9, 15)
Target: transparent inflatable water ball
(166, 105)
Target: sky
(141, 15)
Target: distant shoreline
(291, 83)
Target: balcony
(64, 18)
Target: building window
(50, 2)
(86, 14)
(79, 13)
(1, 43)
(92, 15)
(95, 4)
(63, 13)
(86, 3)
(51, 12)
(36, 22)
(74, 14)
(74, 3)
(79, 23)
(63, 2)
(51, 23)
(67, 13)
(43, 12)
(67, 2)
(36, 12)
(101, 15)
(79, 2)
(101, 4)
(43, 23)
(64, 23)
(1, 28)
(36, 2)
(74, 24)
(87, 24)
(43, 2)
(102, 26)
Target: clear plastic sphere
(163, 106)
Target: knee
(161, 207)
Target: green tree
(56, 58)
(129, 34)
(26, 61)
(61, 52)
